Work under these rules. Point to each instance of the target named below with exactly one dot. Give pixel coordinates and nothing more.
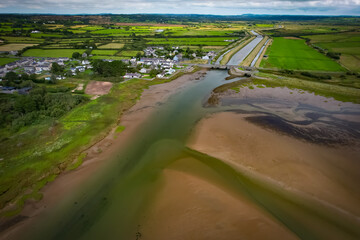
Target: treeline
(110, 69)
(18, 111)
(188, 19)
(40, 103)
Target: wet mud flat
(264, 163)
(296, 113)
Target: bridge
(223, 67)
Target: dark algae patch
(318, 132)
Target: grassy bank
(39, 153)
(340, 93)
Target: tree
(138, 55)
(53, 79)
(153, 73)
(56, 68)
(11, 76)
(76, 55)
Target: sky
(220, 7)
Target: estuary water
(112, 203)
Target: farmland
(294, 54)
(4, 61)
(104, 52)
(347, 44)
(112, 46)
(129, 53)
(14, 47)
(210, 41)
(51, 52)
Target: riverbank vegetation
(340, 93)
(39, 152)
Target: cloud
(184, 6)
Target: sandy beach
(99, 155)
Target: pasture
(109, 57)
(348, 44)
(22, 39)
(129, 53)
(112, 46)
(4, 61)
(15, 46)
(104, 52)
(212, 41)
(51, 52)
(294, 54)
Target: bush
(333, 55)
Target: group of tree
(24, 110)
(110, 69)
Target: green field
(22, 39)
(348, 44)
(109, 57)
(129, 53)
(15, 46)
(265, 25)
(51, 52)
(199, 32)
(4, 61)
(112, 46)
(104, 52)
(45, 35)
(294, 54)
(213, 41)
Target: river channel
(113, 202)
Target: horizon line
(200, 14)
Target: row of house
(32, 65)
(11, 90)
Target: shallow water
(245, 51)
(110, 206)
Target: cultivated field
(4, 61)
(15, 47)
(129, 53)
(112, 46)
(51, 52)
(104, 52)
(348, 44)
(294, 54)
(212, 41)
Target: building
(132, 75)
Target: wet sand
(98, 157)
(194, 204)
(326, 175)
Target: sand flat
(192, 206)
(327, 174)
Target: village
(157, 62)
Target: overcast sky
(220, 7)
